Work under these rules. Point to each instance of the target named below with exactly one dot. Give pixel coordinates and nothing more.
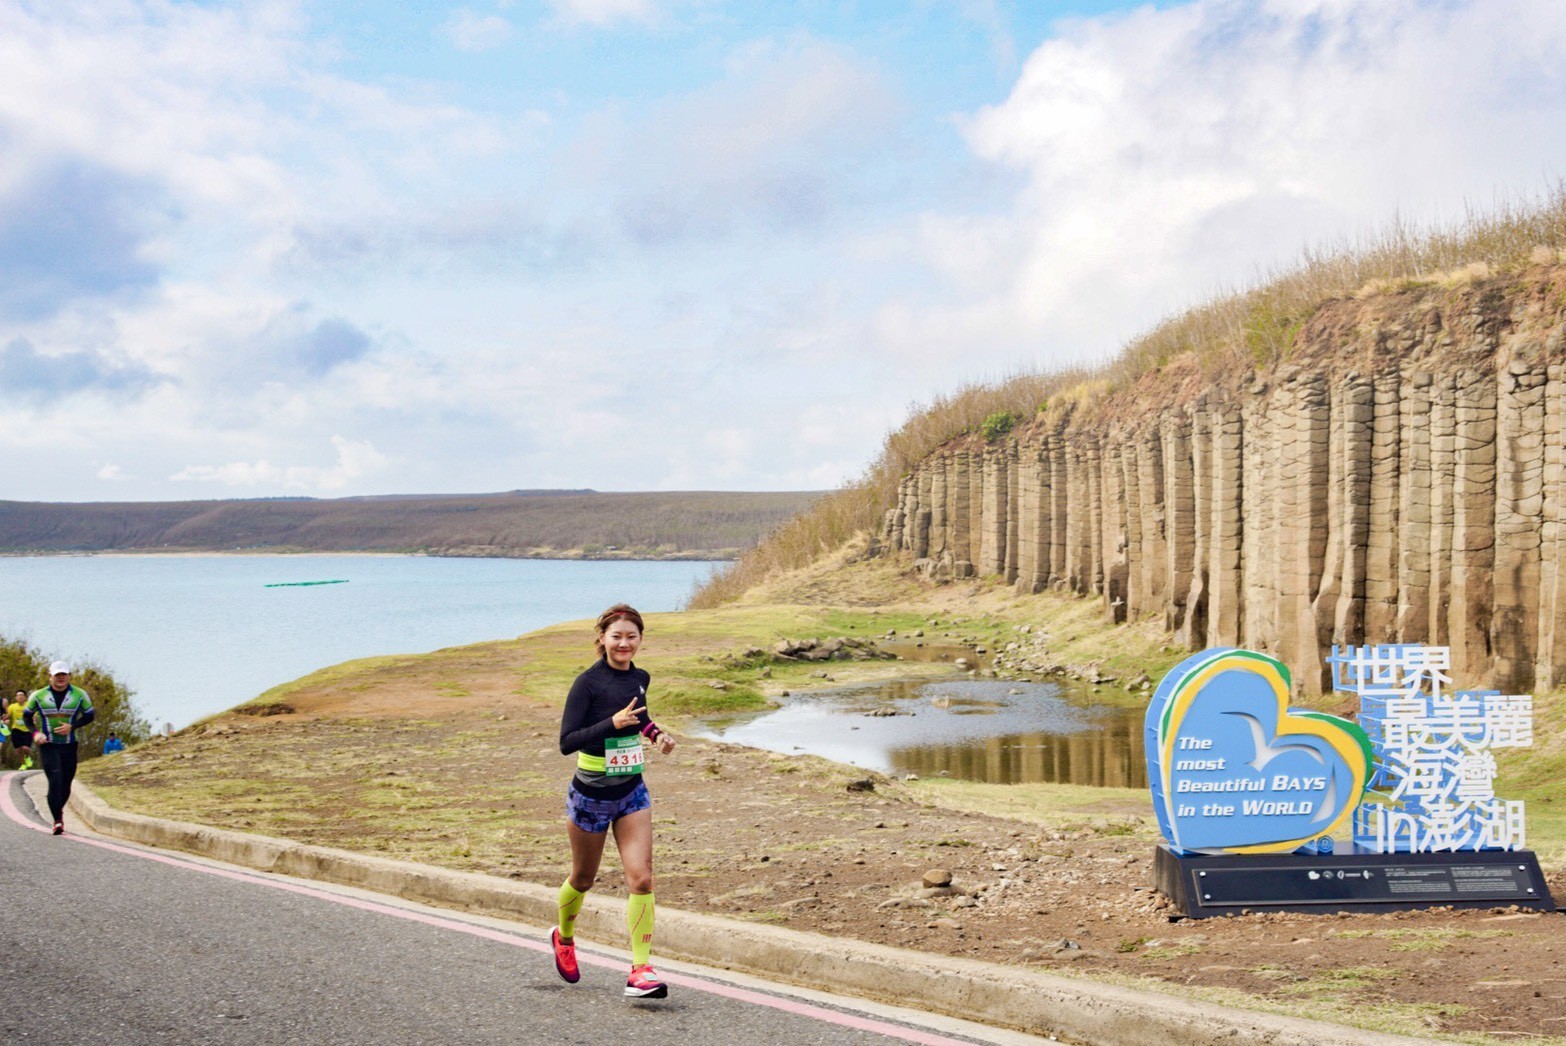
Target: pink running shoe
(644, 983)
(565, 957)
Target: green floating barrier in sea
(298, 584)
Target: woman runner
(605, 724)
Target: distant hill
(542, 524)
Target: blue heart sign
(1233, 769)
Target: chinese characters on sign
(1434, 782)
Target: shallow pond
(974, 729)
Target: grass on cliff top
(1230, 333)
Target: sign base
(1204, 885)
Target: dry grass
(857, 507)
(1257, 327)
(1250, 328)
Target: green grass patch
(1355, 975)
(1533, 774)
(874, 625)
(1422, 939)
(696, 700)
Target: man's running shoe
(644, 984)
(59, 828)
(565, 957)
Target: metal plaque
(1206, 884)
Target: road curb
(1026, 1000)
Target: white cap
(59, 667)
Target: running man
(21, 737)
(605, 723)
(54, 714)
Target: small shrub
(997, 425)
(24, 668)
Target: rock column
(1519, 523)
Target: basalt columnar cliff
(1397, 478)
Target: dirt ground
(474, 781)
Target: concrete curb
(1004, 996)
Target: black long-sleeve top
(595, 697)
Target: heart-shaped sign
(1233, 769)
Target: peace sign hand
(627, 716)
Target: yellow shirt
(14, 714)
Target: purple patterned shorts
(596, 815)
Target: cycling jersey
(47, 709)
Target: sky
(339, 248)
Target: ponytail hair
(618, 612)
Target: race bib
(623, 755)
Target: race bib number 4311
(623, 755)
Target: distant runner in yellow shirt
(21, 737)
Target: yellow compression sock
(570, 904)
(639, 920)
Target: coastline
(137, 615)
(561, 555)
(191, 554)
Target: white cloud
(355, 460)
(602, 13)
(484, 279)
(1168, 154)
(148, 96)
(249, 151)
(764, 147)
(472, 32)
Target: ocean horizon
(195, 633)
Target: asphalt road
(105, 942)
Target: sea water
(194, 635)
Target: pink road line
(727, 991)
